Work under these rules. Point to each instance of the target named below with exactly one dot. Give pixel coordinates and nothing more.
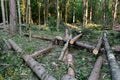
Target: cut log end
(95, 51)
(71, 42)
(71, 72)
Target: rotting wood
(72, 41)
(37, 68)
(65, 48)
(40, 52)
(115, 69)
(96, 70)
(98, 46)
(14, 45)
(68, 77)
(71, 72)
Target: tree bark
(66, 10)
(96, 70)
(13, 16)
(115, 70)
(65, 48)
(3, 12)
(37, 68)
(14, 46)
(72, 41)
(68, 77)
(98, 46)
(38, 53)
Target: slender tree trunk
(46, 6)
(74, 12)
(19, 16)
(13, 16)
(6, 11)
(29, 19)
(85, 20)
(3, 12)
(24, 10)
(115, 12)
(66, 11)
(39, 10)
(27, 12)
(91, 11)
(58, 16)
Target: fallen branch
(38, 53)
(71, 26)
(15, 46)
(68, 77)
(66, 34)
(98, 46)
(115, 70)
(96, 70)
(116, 49)
(37, 68)
(72, 41)
(64, 48)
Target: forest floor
(12, 66)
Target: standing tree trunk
(85, 20)
(115, 12)
(66, 10)
(13, 16)
(23, 9)
(6, 12)
(58, 15)
(74, 12)
(115, 69)
(19, 16)
(3, 12)
(39, 9)
(46, 6)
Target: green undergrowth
(12, 66)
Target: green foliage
(52, 23)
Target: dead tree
(72, 41)
(42, 38)
(37, 68)
(96, 70)
(64, 48)
(98, 46)
(38, 53)
(115, 70)
(68, 77)
(15, 46)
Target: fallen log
(98, 46)
(116, 49)
(64, 48)
(115, 70)
(71, 26)
(42, 38)
(68, 77)
(14, 45)
(96, 70)
(72, 41)
(71, 72)
(38, 53)
(37, 68)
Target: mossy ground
(12, 66)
